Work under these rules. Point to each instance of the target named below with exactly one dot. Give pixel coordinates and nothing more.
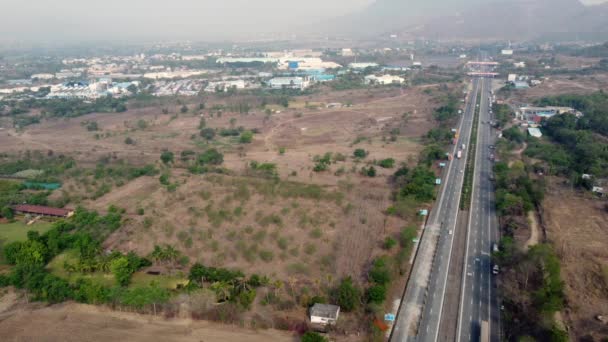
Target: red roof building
(42, 210)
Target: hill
(477, 19)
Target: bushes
(380, 272)
(376, 294)
(360, 153)
(389, 243)
(246, 137)
(199, 273)
(348, 296)
(419, 184)
(311, 336)
(514, 134)
(167, 157)
(388, 163)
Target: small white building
(347, 52)
(324, 314)
(519, 65)
(535, 132)
(512, 78)
(507, 52)
(43, 76)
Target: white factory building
(384, 79)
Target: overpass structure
(483, 74)
(481, 63)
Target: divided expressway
(451, 288)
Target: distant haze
(123, 20)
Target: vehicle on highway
(484, 333)
(450, 232)
(495, 270)
(494, 247)
(492, 157)
(459, 154)
(463, 146)
(491, 147)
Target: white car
(495, 270)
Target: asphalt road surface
(479, 300)
(421, 307)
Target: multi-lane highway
(451, 289)
(421, 307)
(479, 301)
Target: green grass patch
(17, 231)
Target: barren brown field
(253, 224)
(20, 321)
(578, 228)
(561, 84)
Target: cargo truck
(484, 334)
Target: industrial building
(384, 79)
(361, 66)
(537, 114)
(289, 83)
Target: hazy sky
(111, 19)
(61, 20)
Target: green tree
(207, 133)
(7, 213)
(348, 295)
(246, 137)
(121, 270)
(388, 163)
(211, 157)
(312, 336)
(184, 109)
(376, 294)
(167, 157)
(380, 272)
(360, 153)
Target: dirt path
(518, 153)
(534, 230)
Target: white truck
(459, 154)
(484, 333)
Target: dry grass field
(578, 228)
(310, 227)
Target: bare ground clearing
(78, 322)
(578, 228)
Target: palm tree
(157, 253)
(222, 290)
(103, 264)
(170, 254)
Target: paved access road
(420, 311)
(479, 301)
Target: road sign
(389, 317)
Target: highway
(479, 301)
(421, 307)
